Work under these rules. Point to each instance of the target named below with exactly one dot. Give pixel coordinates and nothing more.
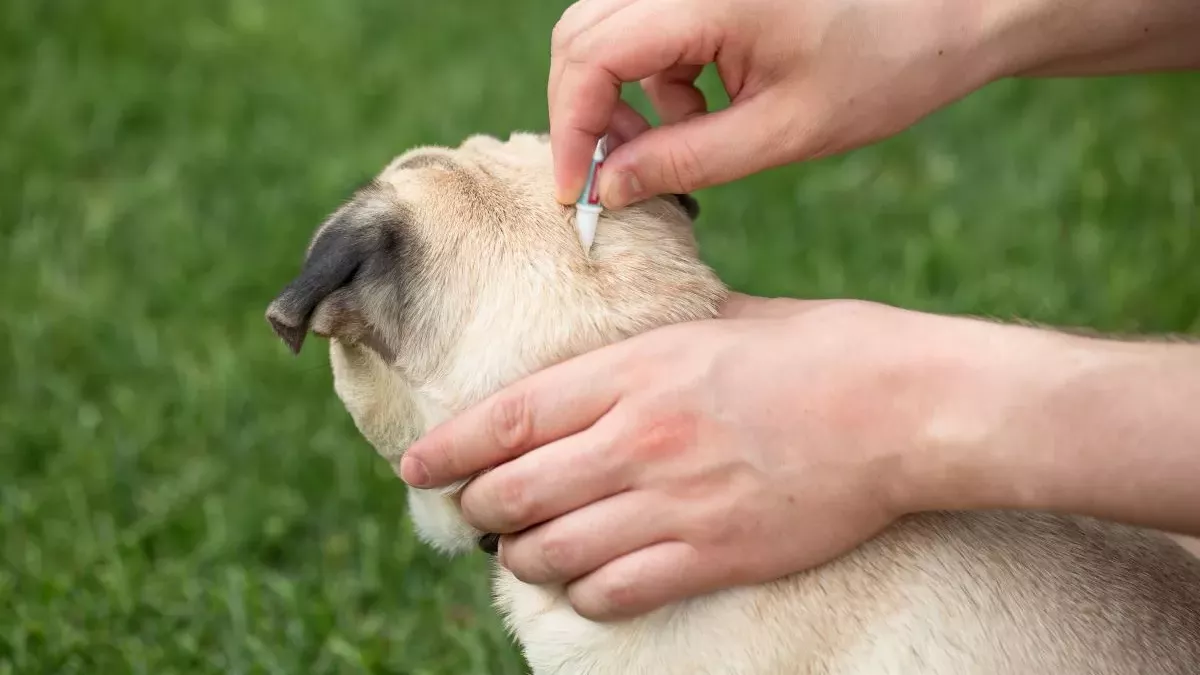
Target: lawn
(181, 495)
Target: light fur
(455, 272)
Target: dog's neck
(489, 354)
(431, 413)
(435, 407)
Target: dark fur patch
(490, 543)
(366, 243)
(689, 204)
(334, 258)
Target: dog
(454, 272)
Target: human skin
(784, 433)
(1192, 544)
(781, 435)
(811, 78)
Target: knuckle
(577, 51)
(451, 461)
(436, 452)
(558, 555)
(511, 421)
(615, 594)
(682, 166)
(559, 38)
(513, 505)
(564, 32)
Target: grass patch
(182, 496)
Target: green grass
(182, 496)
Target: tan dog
(455, 273)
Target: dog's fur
(455, 272)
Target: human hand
(711, 454)
(805, 79)
(811, 78)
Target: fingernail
(626, 188)
(413, 472)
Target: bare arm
(809, 78)
(1092, 37)
(716, 453)
(1082, 425)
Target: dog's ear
(338, 253)
(689, 204)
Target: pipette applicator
(588, 208)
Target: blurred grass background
(180, 495)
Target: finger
(577, 18)
(550, 404)
(585, 539)
(642, 581)
(547, 482)
(674, 93)
(626, 125)
(579, 114)
(630, 45)
(700, 152)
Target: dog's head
(455, 272)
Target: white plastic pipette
(588, 208)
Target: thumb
(698, 152)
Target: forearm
(1120, 436)
(1069, 424)
(1041, 38)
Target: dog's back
(964, 594)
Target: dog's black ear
(333, 259)
(689, 204)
